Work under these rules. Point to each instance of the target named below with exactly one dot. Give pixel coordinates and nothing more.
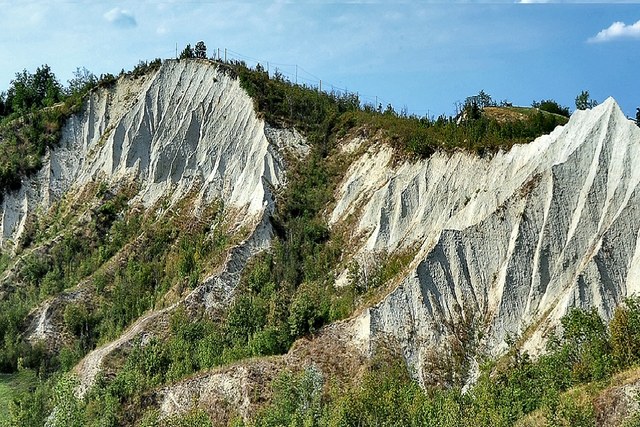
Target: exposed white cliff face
(504, 243)
(507, 243)
(189, 127)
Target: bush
(625, 333)
(551, 106)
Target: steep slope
(181, 140)
(503, 246)
(183, 127)
(507, 244)
(495, 248)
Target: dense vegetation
(558, 388)
(132, 262)
(322, 114)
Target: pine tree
(187, 52)
(584, 101)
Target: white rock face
(189, 127)
(507, 243)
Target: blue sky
(423, 56)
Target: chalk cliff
(501, 245)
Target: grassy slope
(504, 114)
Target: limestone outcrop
(507, 243)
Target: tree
(3, 109)
(48, 89)
(485, 100)
(638, 116)
(584, 101)
(551, 106)
(201, 50)
(482, 100)
(28, 91)
(625, 333)
(82, 79)
(187, 52)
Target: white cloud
(120, 18)
(617, 30)
(533, 1)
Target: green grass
(11, 387)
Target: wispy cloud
(120, 18)
(533, 1)
(617, 30)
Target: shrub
(625, 333)
(551, 106)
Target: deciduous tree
(201, 50)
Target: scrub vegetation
(129, 262)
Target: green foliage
(309, 309)
(282, 102)
(624, 329)
(195, 418)
(503, 395)
(68, 412)
(585, 341)
(12, 387)
(481, 100)
(35, 116)
(296, 401)
(584, 101)
(81, 322)
(83, 81)
(33, 111)
(322, 116)
(145, 67)
(24, 143)
(33, 91)
(31, 408)
(384, 396)
(551, 106)
(170, 252)
(187, 52)
(200, 50)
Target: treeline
(558, 388)
(322, 114)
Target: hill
(206, 243)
